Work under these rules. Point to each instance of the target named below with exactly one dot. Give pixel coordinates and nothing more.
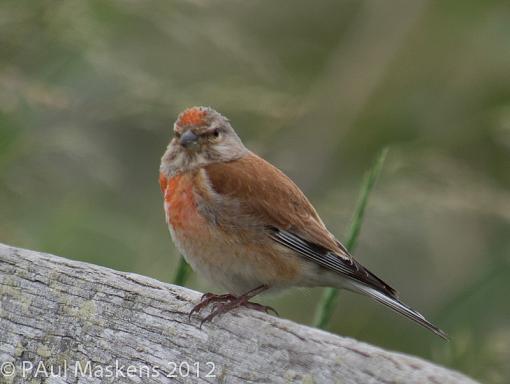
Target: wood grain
(60, 313)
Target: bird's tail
(398, 306)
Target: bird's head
(201, 136)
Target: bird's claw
(210, 298)
(226, 303)
(262, 308)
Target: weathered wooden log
(63, 321)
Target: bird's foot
(220, 308)
(208, 299)
(225, 303)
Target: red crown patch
(192, 116)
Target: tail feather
(398, 306)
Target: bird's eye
(216, 133)
(177, 134)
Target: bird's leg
(210, 298)
(224, 306)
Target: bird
(245, 226)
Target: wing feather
(266, 194)
(330, 260)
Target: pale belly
(217, 262)
(235, 266)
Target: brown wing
(268, 195)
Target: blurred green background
(89, 91)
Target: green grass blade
(183, 272)
(328, 300)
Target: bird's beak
(189, 140)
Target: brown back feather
(267, 193)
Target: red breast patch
(180, 204)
